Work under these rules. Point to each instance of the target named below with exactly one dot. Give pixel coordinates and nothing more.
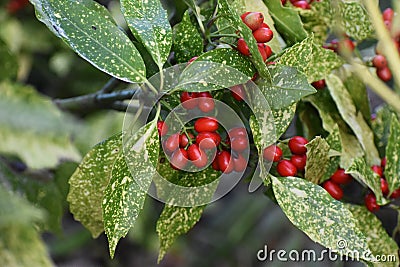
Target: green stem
(223, 35)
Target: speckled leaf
(381, 126)
(379, 242)
(314, 22)
(325, 220)
(317, 159)
(311, 59)
(355, 20)
(173, 222)
(89, 182)
(351, 149)
(89, 30)
(9, 63)
(363, 173)
(353, 118)
(282, 118)
(149, 23)
(233, 18)
(33, 128)
(124, 197)
(392, 168)
(287, 22)
(187, 40)
(335, 145)
(283, 92)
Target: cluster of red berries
(204, 101)
(333, 184)
(261, 32)
(187, 147)
(297, 162)
(379, 61)
(14, 6)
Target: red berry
(189, 100)
(346, 44)
(384, 74)
(263, 35)
(192, 59)
(206, 102)
(238, 92)
(283, 2)
(179, 159)
(268, 52)
(237, 131)
(319, 84)
(244, 15)
(396, 193)
(379, 61)
(272, 153)
(301, 4)
(208, 140)
(383, 162)
(224, 162)
(206, 124)
(261, 49)
(333, 189)
(384, 186)
(388, 14)
(239, 163)
(299, 161)
(297, 145)
(197, 156)
(286, 168)
(162, 128)
(378, 170)
(340, 177)
(215, 165)
(239, 143)
(184, 139)
(172, 143)
(253, 20)
(370, 202)
(242, 47)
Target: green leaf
(317, 159)
(89, 182)
(149, 23)
(283, 92)
(381, 126)
(392, 168)
(355, 20)
(363, 173)
(378, 240)
(287, 22)
(335, 145)
(33, 128)
(325, 220)
(87, 27)
(353, 118)
(314, 22)
(9, 63)
(225, 10)
(313, 60)
(124, 197)
(282, 118)
(351, 149)
(187, 40)
(175, 221)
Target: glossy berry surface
(237, 131)
(179, 159)
(379, 61)
(263, 35)
(319, 84)
(239, 163)
(238, 92)
(333, 189)
(162, 128)
(340, 177)
(197, 156)
(224, 162)
(254, 20)
(206, 104)
(208, 140)
(297, 145)
(299, 161)
(286, 168)
(242, 47)
(384, 186)
(302, 4)
(384, 74)
(172, 143)
(184, 140)
(261, 49)
(272, 153)
(189, 100)
(206, 124)
(378, 170)
(370, 202)
(239, 143)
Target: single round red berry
(379, 61)
(263, 35)
(299, 161)
(206, 124)
(370, 202)
(340, 177)
(242, 47)
(239, 163)
(254, 20)
(184, 139)
(384, 74)
(333, 189)
(268, 52)
(378, 170)
(237, 131)
(302, 4)
(272, 153)
(197, 156)
(179, 159)
(297, 145)
(172, 143)
(264, 25)
(319, 84)
(208, 140)
(238, 92)
(346, 44)
(384, 186)
(388, 14)
(244, 15)
(261, 49)
(206, 104)
(239, 143)
(395, 193)
(215, 165)
(189, 100)
(224, 162)
(286, 168)
(162, 128)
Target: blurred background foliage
(230, 233)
